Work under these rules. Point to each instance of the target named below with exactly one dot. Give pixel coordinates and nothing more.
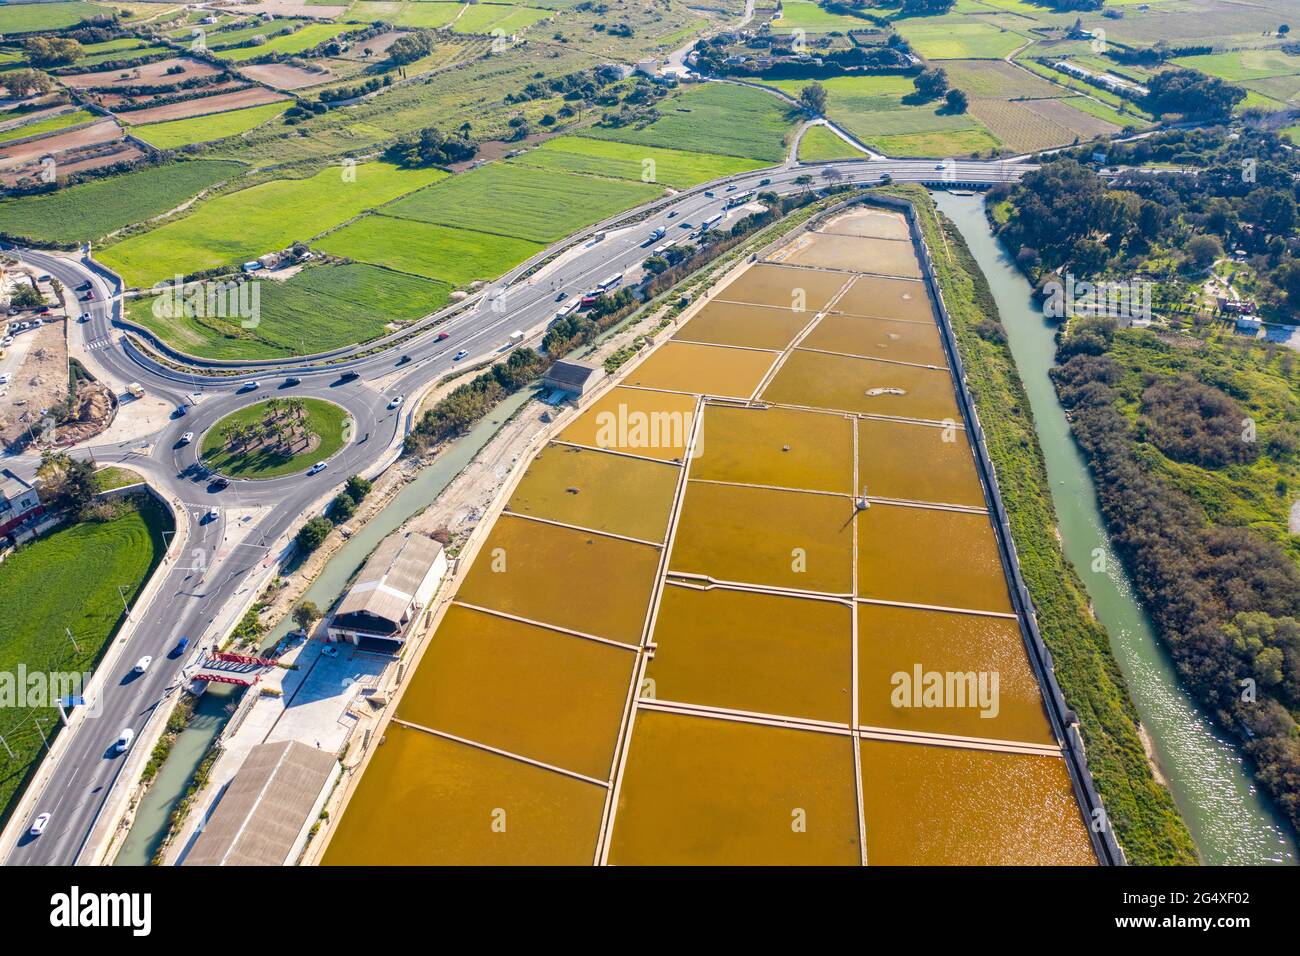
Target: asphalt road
(190, 599)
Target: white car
(396, 401)
(316, 468)
(4, 378)
(187, 438)
(39, 824)
(214, 513)
(460, 355)
(142, 664)
(124, 741)
(330, 650)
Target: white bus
(611, 282)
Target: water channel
(1230, 821)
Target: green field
(94, 209)
(115, 476)
(205, 129)
(296, 42)
(486, 17)
(872, 109)
(30, 17)
(330, 423)
(959, 38)
(48, 125)
(808, 16)
(819, 144)
(237, 226)
(455, 256)
(220, 39)
(522, 202)
(604, 157)
(67, 579)
(714, 118)
(319, 309)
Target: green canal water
(1231, 822)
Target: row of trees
(342, 507)
(283, 428)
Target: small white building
(392, 589)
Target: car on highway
(672, 214)
(124, 740)
(731, 188)
(179, 649)
(84, 317)
(397, 401)
(221, 481)
(561, 296)
(39, 824)
(316, 468)
(213, 514)
(403, 360)
(709, 193)
(89, 296)
(292, 380)
(187, 438)
(441, 336)
(84, 286)
(142, 664)
(250, 386)
(765, 182)
(350, 376)
(460, 355)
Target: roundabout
(275, 437)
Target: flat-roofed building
(19, 502)
(266, 813)
(392, 589)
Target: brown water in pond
(900, 650)
(753, 652)
(917, 462)
(598, 490)
(889, 257)
(871, 223)
(542, 694)
(785, 539)
(700, 791)
(884, 298)
(748, 326)
(877, 338)
(784, 447)
(944, 806)
(703, 369)
(577, 580)
(426, 800)
(818, 380)
(635, 421)
(786, 287)
(926, 556)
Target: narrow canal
(1229, 820)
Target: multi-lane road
(222, 557)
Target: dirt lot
(102, 132)
(284, 76)
(202, 106)
(376, 45)
(114, 101)
(69, 162)
(151, 74)
(40, 381)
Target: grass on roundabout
(327, 429)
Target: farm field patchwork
(714, 118)
(297, 42)
(872, 109)
(522, 202)
(31, 17)
(235, 227)
(204, 129)
(960, 38)
(91, 210)
(202, 106)
(44, 588)
(50, 124)
(487, 17)
(813, 18)
(454, 256)
(603, 157)
(768, 612)
(820, 144)
(319, 309)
